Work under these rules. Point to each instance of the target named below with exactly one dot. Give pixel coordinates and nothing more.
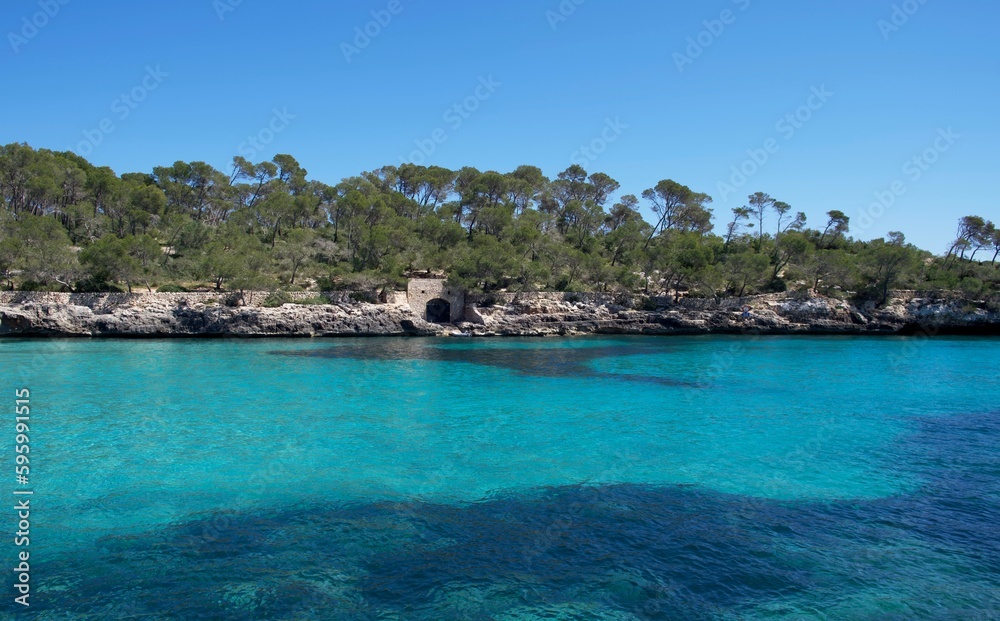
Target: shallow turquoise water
(603, 478)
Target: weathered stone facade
(422, 294)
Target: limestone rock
(168, 315)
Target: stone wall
(627, 300)
(420, 291)
(630, 300)
(396, 297)
(138, 300)
(503, 299)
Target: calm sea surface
(591, 479)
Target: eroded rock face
(769, 315)
(168, 315)
(171, 319)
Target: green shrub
(172, 288)
(649, 304)
(484, 300)
(972, 286)
(276, 299)
(327, 283)
(30, 285)
(776, 285)
(89, 286)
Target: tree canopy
(68, 225)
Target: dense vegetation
(68, 225)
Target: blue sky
(688, 91)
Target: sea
(598, 478)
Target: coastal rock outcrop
(191, 315)
(150, 315)
(769, 314)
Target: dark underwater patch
(627, 551)
(555, 361)
(647, 552)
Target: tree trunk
(274, 236)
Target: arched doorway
(439, 311)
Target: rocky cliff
(169, 315)
(180, 315)
(771, 314)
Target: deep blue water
(602, 478)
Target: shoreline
(198, 316)
(920, 332)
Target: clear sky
(653, 90)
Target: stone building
(436, 302)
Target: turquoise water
(599, 478)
